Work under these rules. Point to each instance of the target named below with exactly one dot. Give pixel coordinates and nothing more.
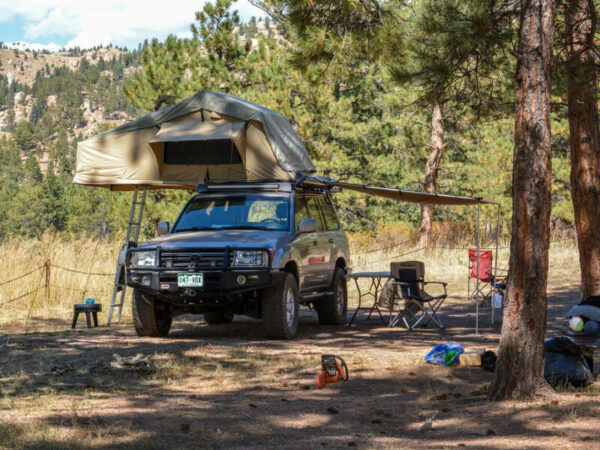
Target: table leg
(359, 301)
(75, 316)
(374, 294)
(375, 304)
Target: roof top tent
(207, 138)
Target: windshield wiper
(195, 229)
(244, 227)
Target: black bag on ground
(565, 364)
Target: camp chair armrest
(443, 283)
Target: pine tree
(520, 367)
(36, 112)
(582, 94)
(167, 74)
(455, 53)
(24, 135)
(215, 32)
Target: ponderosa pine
(520, 366)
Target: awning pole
(477, 275)
(496, 263)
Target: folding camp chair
(488, 284)
(414, 304)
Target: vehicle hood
(218, 239)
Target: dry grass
(54, 301)
(225, 387)
(51, 306)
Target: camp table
(376, 282)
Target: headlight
(251, 258)
(144, 259)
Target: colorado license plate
(190, 280)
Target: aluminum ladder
(133, 233)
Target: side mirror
(307, 226)
(163, 228)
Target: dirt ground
(227, 387)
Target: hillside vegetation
(358, 123)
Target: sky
(54, 24)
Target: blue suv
(255, 249)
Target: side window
(300, 212)
(331, 221)
(313, 212)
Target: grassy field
(51, 292)
(226, 387)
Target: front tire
(280, 309)
(332, 309)
(150, 316)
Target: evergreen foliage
(353, 76)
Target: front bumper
(220, 283)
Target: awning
(424, 198)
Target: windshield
(250, 211)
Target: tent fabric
(424, 198)
(133, 153)
(192, 130)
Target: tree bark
(431, 173)
(580, 18)
(520, 367)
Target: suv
(257, 249)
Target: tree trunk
(580, 17)
(520, 368)
(431, 173)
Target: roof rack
(285, 186)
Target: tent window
(202, 153)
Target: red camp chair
(482, 271)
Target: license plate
(190, 280)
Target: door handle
(315, 243)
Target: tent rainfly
(208, 137)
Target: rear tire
(150, 316)
(332, 309)
(280, 309)
(218, 317)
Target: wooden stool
(91, 308)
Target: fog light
(241, 279)
(253, 277)
(146, 280)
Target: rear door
(333, 237)
(312, 248)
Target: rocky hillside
(22, 66)
(75, 94)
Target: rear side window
(307, 207)
(300, 211)
(331, 222)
